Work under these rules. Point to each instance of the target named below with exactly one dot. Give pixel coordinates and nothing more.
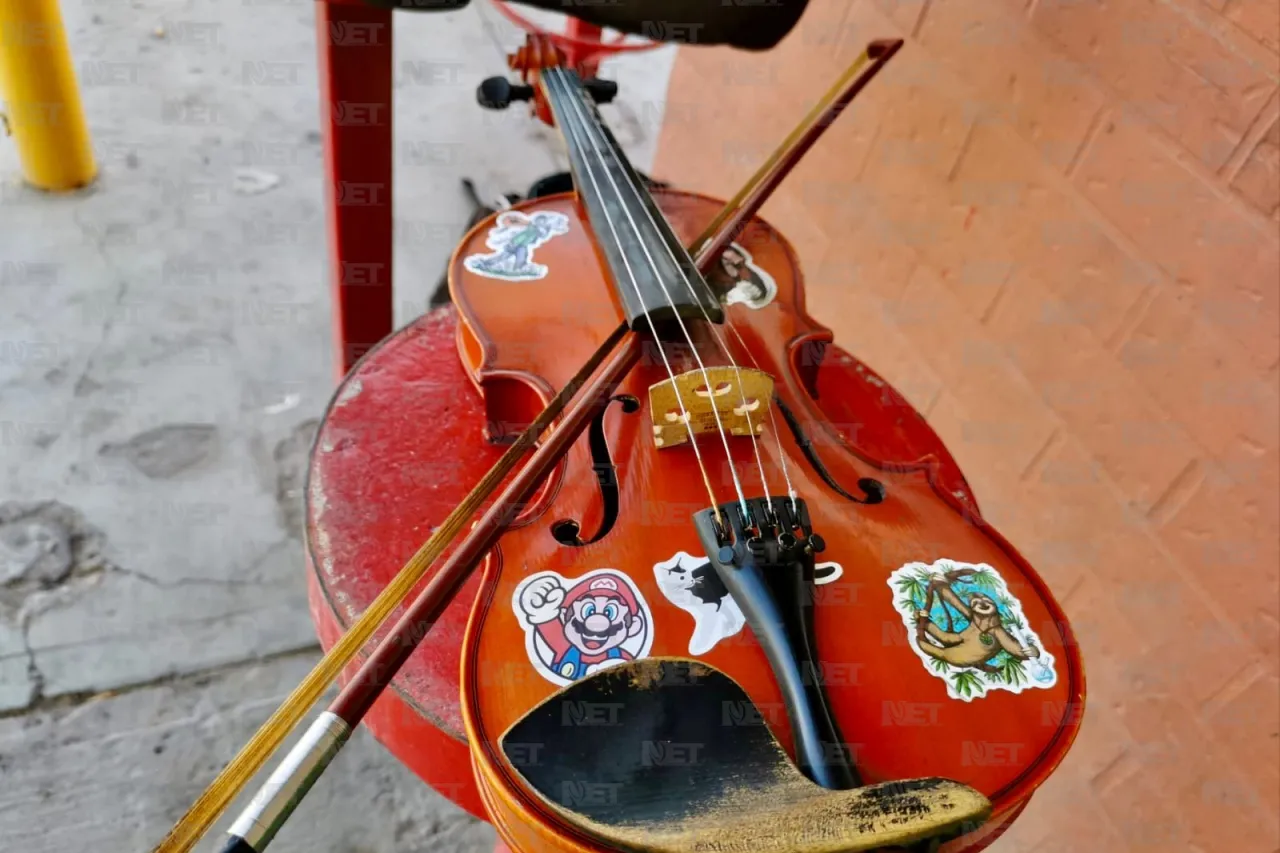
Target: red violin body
(901, 717)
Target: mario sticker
(575, 627)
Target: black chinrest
(667, 755)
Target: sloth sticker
(691, 583)
(969, 630)
(575, 627)
(513, 238)
(737, 280)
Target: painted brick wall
(1053, 225)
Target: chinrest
(666, 755)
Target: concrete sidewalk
(164, 356)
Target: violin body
(986, 692)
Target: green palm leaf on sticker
(1012, 671)
(984, 579)
(914, 589)
(967, 682)
(939, 664)
(1006, 603)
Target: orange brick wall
(1053, 225)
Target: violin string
(773, 418)
(742, 394)
(724, 347)
(720, 341)
(575, 96)
(550, 77)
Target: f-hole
(566, 530)
(873, 491)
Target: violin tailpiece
(766, 561)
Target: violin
(724, 620)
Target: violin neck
(655, 278)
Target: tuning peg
(601, 91)
(497, 93)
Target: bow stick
(302, 766)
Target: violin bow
(276, 800)
(784, 158)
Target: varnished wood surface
(536, 332)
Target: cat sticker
(691, 583)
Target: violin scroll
(537, 52)
(530, 59)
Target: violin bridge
(741, 397)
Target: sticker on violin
(969, 630)
(738, 281)
(691, 583)
(513, 239)
(575, 627)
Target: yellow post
(41, 97)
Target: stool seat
(397, 450)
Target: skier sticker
(513, 239)
(969, 630)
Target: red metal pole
(354, 42)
